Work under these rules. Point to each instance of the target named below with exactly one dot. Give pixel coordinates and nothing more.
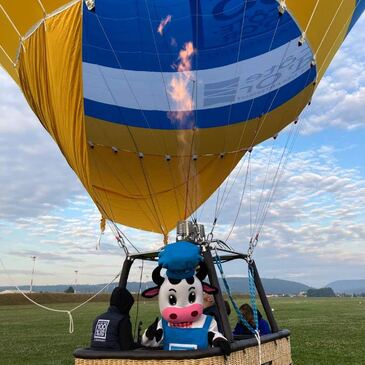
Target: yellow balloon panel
(9, 38)
(51, 79)
(151, 193)
(24, 15)
(325, 25)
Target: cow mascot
(183, 325)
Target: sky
(313, 231)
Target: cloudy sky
(313, 231)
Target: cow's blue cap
(180, 259)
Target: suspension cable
(251, 106)
(162, 226)
(338, 35)
(269, 160)
(138, 297)
(167, 99)
(241, 199)
(278, 173)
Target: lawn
(324, 331)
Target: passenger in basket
(211, 309)
(112, 330)
(247, 312)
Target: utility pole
(31, 280)
(76, 273)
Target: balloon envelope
(153, 103)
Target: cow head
(180, 300)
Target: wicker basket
(275, 352)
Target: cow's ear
(151, 292)
(156, 275)
(209, 289)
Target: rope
(42, 7)
(138, 295)
(228, 290)
(258, 339)
(151, 217)
(252, 288)
(264, 185)
(169, 106)
(311, 17)
(274, 186)
(154, 205)
(338, 35)
(120, 236)
(171, 155)
(7, 56)
(12, 23)
(329, 27)
(241, 199)
(187, 195)
(68, 312)
(195, 89)
(259, 223)
(225, 194)
(157, 53)
(260, 216)
(277, 177)
(249, 113)
(251, 283)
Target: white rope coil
(257, 336)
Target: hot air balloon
(153, 103)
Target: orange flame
(163, 24)
(179, 85)
(185, 57)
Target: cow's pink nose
(173, 316)
(194, 313)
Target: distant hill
(238, 285)
(348, 286)
(272, 286)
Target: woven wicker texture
(274, 353)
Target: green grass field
(324, 331)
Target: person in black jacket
(112, 330)
(211, 309)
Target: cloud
(316, 216)
(34, 176)
(339, 100)
(15, 117)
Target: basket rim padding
(158, 354)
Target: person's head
(247, 313)
(208, 300)
(122, 299)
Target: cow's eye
(192, 297)
(172, 299)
